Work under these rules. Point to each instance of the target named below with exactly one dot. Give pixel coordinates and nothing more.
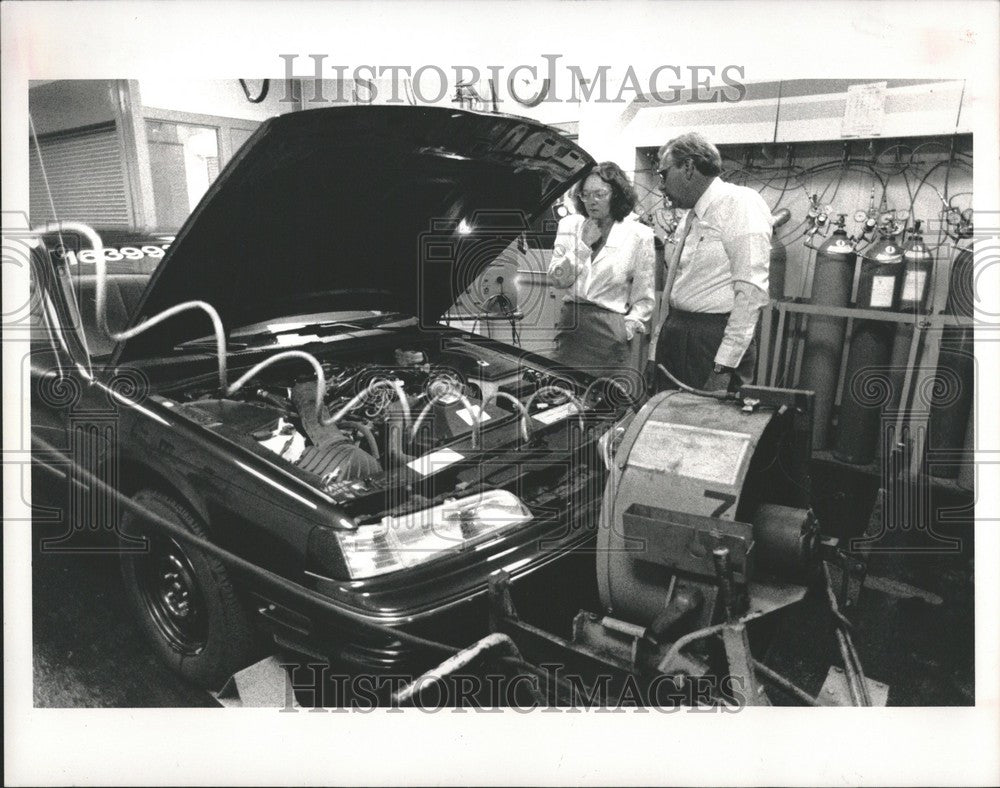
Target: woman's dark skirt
(593, 339)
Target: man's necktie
(675, 258)
(668, 285)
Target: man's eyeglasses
(663, 173)
(599, 194)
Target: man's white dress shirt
(723, 264)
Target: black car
(372, 474)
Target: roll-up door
(86, 175)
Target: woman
(605, 262)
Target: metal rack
(784, 354)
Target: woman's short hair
(695, 147)
(623, 197)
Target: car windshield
(292, 330)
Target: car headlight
(400, 542)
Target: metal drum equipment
(690, 477)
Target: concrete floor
(914, 627)
(88, 653)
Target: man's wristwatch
(719, 369)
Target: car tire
(184, 599)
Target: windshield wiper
(209, 344)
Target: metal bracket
(848, 575)
(500, 602)
(836, 691)
(741, 663)
(492, 646)
(264, 684)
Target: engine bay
(399, 417)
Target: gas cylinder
(953, 390)
(961, 295)
(967, 470)
(779, 257)
(867, 389)
(832, 278)
(879, 280)
(867, 382)
(918, 273)
(776, 272)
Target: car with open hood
(337, 464)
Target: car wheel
(184, 599)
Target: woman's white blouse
(621, 276)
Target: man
(717, 277)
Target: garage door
(86, 175)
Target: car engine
(383, 414)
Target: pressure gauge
(860, 216)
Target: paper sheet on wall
(865, 111)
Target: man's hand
(632, 327)
(649, 376)
(718, 381)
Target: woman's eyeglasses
(599, 194)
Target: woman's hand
(591, 232)
(562, 273)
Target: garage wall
(79, 112)
(86, 179)
(806, 118)
(137, 153)
(218, 97)
(68, 104)
(189, 130)
(800, 110)
(79, 128)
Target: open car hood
(388, 208)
